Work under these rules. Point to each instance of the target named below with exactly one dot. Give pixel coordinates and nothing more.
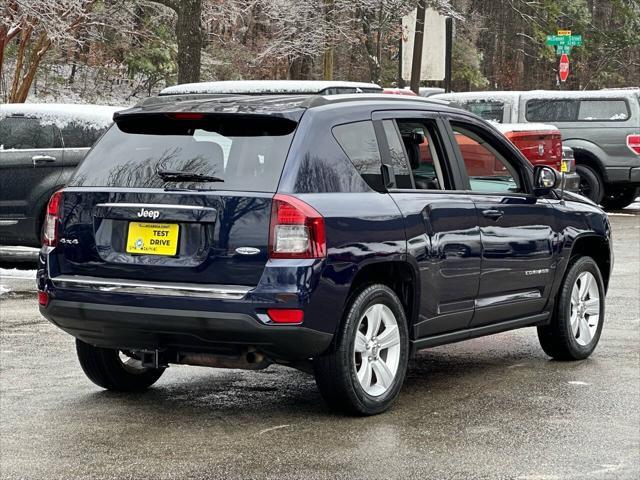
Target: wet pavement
(494, 407)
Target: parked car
(272, 87)
(601, 126)
(40, 146)
(542, 145)
(400, 91)
(300, 231)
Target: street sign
(574, 40)
(563, 68)
(562, 49)
(571, 40)
(564, 32)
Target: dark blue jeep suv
(333, 234)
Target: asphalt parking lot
(495, 407)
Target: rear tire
(365, 371)
(575, 329)
(591, 185)
(105, 368)
(616, 198)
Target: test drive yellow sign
(153, 238)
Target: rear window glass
(245, 153)
(599, 110)
(358, 140)
(575, 110)
(80, 135)
(490, 110)
(552, 110)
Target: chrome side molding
(138, 287)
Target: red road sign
(563, 69)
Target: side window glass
(488, 171)
(603, 110)
(398, 156)
(552, 110)
(21, 133)
(419, 142)
(490, 110)
(358, 140)
(79, 135)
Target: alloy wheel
(377, 349)
(585, 308)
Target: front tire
(575, 329)
(106, 368)
(365, 371)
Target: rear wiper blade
(180, 176)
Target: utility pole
(448, 52)
(418, 40)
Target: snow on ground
(3, 290)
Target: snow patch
(16, 273)
(3, 290)
(263, 86)
(62, 114)
(523, 127)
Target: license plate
(153, 238)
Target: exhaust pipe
(250, 360)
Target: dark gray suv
(601, 126)
(40, 146)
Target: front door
(517, 229)
(443, 238)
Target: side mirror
(545, 179)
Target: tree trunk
(189, 37)
(327, 67)
(37, 52)
(328, 64)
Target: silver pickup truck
(601, 126)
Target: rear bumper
(144, 328)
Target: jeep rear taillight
(50, 231)
(633, 142)
(296, 229)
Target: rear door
(31, 160)
(124, 218)
(518, 233)
(443, 237)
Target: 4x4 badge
(247, 251)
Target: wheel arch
(587, 153)
(401, 276)
(596, 247)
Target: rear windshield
(244, 153)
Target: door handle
(42, 159)
(493, 214)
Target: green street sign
(555, 40)
(564, 40)
(574, 40)
(560, 49)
